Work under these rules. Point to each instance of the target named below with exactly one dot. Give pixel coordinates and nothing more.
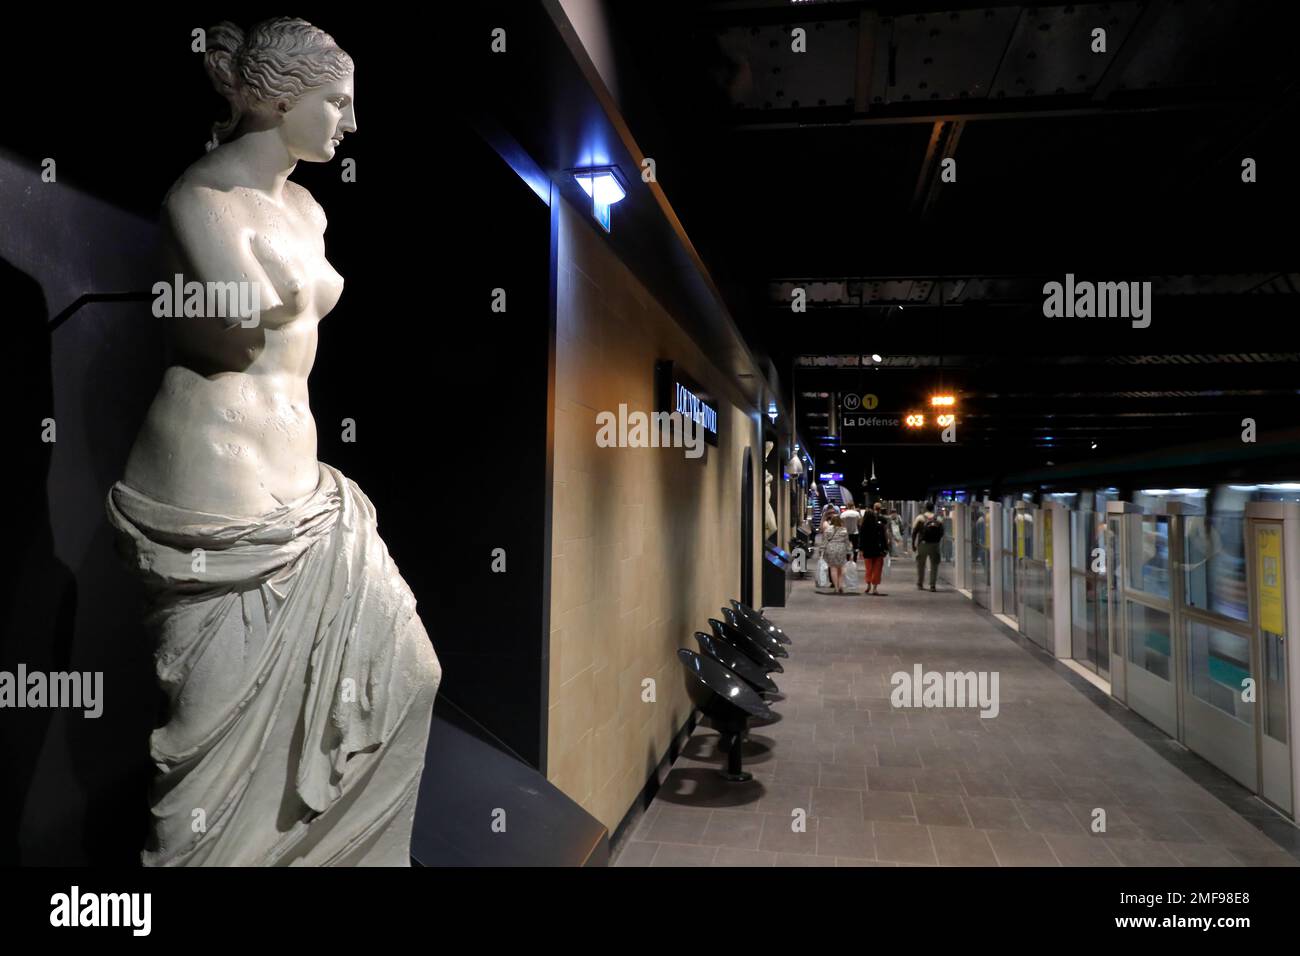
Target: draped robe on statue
(301, 682)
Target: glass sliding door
(1219, 693)
(1151, 673)
(1112, 556)
(1033, 582)
(1219, 700)
(1150, 683)
(1268, 568)
(1008, 558)
(1106, 583)
(1089, 611)
(978, 539)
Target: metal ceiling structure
(877, 65)
(888, 291)
(823, 170)
(1018, 413)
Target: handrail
(89, 297)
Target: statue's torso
(231, 430)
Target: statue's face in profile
(319, 120)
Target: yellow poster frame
(1269, 575)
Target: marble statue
(769, 516)
(300, 680)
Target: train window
(1148, 557)
(1218, 667)
(1214, 565)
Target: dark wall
(450, 403)
(73, 788)
(491, 628)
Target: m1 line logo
(74, 909)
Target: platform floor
(887, 787)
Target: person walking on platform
(897, 542)
(874, 542)
(850, 516)
(927, 536)
(888, 528)
(829, 512)
(836, 552)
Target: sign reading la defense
(868, 418)
(861, 417)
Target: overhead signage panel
(880, 418)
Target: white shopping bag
(823, 573)
(852, 576)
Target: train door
(1272, 569)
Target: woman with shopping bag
(836, 552)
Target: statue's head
(286, 75)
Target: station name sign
(858, 411)
(872, 418)
(676, 392)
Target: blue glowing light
(602, 185)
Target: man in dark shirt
(927, 535)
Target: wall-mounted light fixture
(771, 410)
(604, 186)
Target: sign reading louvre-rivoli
(677, 392)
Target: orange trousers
(873, 568)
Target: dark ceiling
(1056, 406)
(821, 171)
